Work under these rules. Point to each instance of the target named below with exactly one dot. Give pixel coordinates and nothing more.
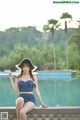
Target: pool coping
(49, 110)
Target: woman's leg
(19, 105)
(27, 107)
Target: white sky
(18, 13)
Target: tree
(51, 27)
(67, 18)
(76, 37)
(74, 56)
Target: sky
(19, 13)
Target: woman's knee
(19, 102)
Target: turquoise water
(53, 92)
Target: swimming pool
(54, 92)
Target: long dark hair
(30, 72)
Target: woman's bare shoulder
(35, 76)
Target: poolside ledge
(51, 113)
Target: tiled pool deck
(51, 113)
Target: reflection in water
(54, 92)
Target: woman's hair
(30, 72)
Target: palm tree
(50, 27)
(67, 18)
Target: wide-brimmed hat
(26, 60)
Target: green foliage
(66, 15)
(78, 72)
(75, 38)
(74, 57)
(28, 42)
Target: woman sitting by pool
(25, 83)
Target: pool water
(53, 92)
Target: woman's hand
(44, 106)
(10, 75)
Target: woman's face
(26, 67)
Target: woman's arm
(13, 84)
(38, 92)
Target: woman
(25, 83)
